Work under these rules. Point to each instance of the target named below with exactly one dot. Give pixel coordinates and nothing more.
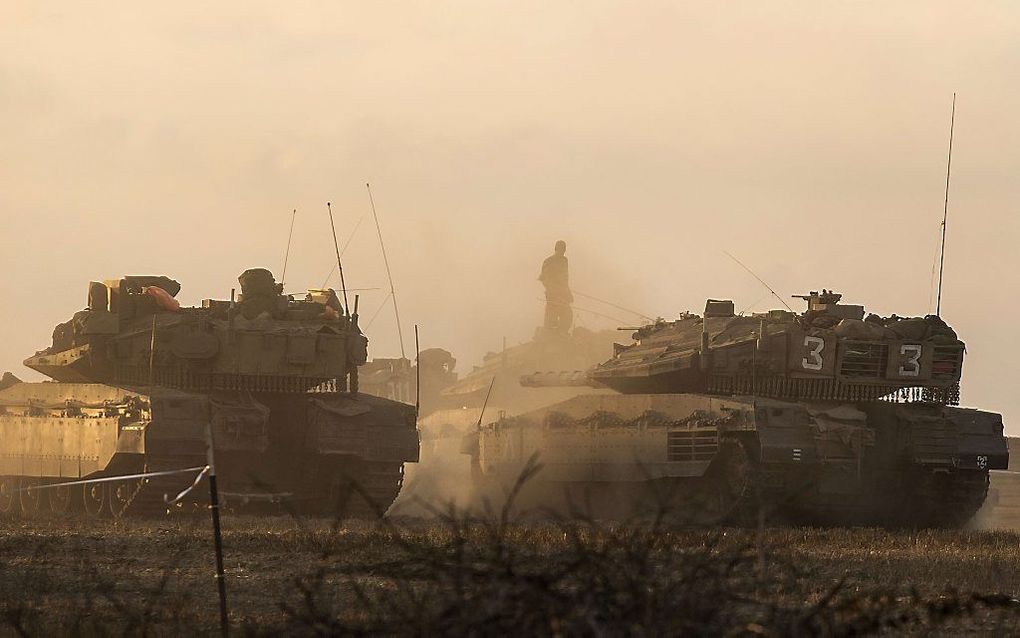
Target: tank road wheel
(361, 490)
(733, 479)
(59, 499)
(945, 499)
(29, 497)
(94, 498)
(120, 495)
(8, 486)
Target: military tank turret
(141, 384)
(824, 417)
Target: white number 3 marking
(813, 360)
(912, 365)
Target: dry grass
(495, 574)
(435, 577)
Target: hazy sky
(808, 139)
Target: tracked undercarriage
(305, 453)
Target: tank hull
(323, 453)
(717, 458)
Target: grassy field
(291, 576)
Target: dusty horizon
(809, 144)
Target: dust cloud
(809, 142)
(440, 481)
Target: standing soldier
(558, 315)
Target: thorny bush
(494, 574)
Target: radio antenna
(945, 208)
(609, 303)
(417, 373)
(393, 293)
(286, 255)
(760, 280)
(339, 265)
(343, 251)
(485, 404)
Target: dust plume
(809, 143)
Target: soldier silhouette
(558, 315)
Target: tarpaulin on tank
(841, 432)
(863, 330)
(936, 435)
(180, 422)
(163, 299)
(919, 328)
(363, 426)
(805, 433)
(137, 283)
(785, 432)
(239, 420)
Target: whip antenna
(417, 373)
(945, 209)
(286, 255)
(609, 303)
(393, 293)
(343, 251)
(485, 403)
(339, 265)
(760, 280)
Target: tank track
(920, 499)
(363, 490)
(726, 495)
(365, 493)
(737, 490)
(133, 498)
(945, 499)
(150, 499)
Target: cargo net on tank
(782, 387)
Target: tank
(141, 385)
(827, 416)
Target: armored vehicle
(822, 417)
(142, 385)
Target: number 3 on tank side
(912, 364)
(813, 360)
